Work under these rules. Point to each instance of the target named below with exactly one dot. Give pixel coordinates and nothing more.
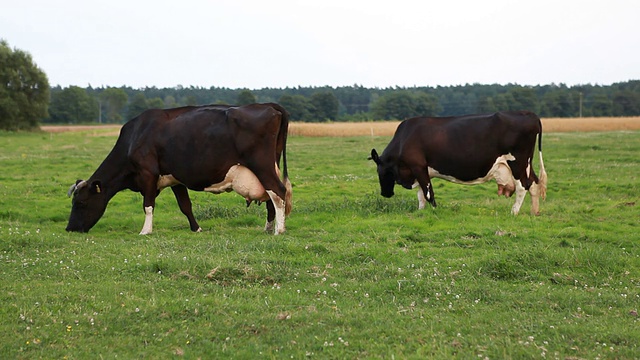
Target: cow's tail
(284, 130)
(542, 179)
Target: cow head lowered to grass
(470, 149)
(212, 148)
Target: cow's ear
(374, 156)
(96, 187)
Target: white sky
(285, 43)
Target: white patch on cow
(499, 170)
(528, 168)
(243, 181)
(165, 181)
(148, 221)
(520, 194)
(278, 203)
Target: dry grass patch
(591, 124)
(388, 128)
(373, 128)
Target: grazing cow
(212, 148)
(469, 149)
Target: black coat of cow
(469, 149)
(213, 148)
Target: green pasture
(355, 275)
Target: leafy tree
(626, 103)
(524, 98)
(24, 90)
(137, 105)
(393, 106)
(458, 101)
(188, 100)
(403, 104)
(170, 101)
(73, 105)
(600, 105)
(486, 105)
(298, 106)
(355, 99)
(326, 106)
(114, 100)
(155, 103)
(245, 97)
(426, 104)
(557, 103)
(503, 101)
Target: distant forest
(73, 105)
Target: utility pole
(580, 112)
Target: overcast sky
(285, 43)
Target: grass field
(355, 276)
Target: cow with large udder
(213, 148)
(470, 149)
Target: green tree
(486, 105)
(170, 102)
(73, 105)
(137, 105)
(600, 105)
(626, 103)
(155, 103)
(425, 104)
(113, 101)
(298, 106)
(189, 100)
(326, 106)
(397, 105)
(524, 98)
(245, 97)
(557, 103)
(24, 90)
(403, 104)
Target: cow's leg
(422, 201)
(182, 196)
(521, 192)
(422, 176)
(149, 193)
(278, 204)
(534, 191)
(147, 228)
(271, 216)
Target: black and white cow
(469, 149)
(214, 148)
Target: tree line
(26, 99)
(354, 103)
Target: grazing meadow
(355, 275)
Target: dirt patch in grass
(387, 128)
